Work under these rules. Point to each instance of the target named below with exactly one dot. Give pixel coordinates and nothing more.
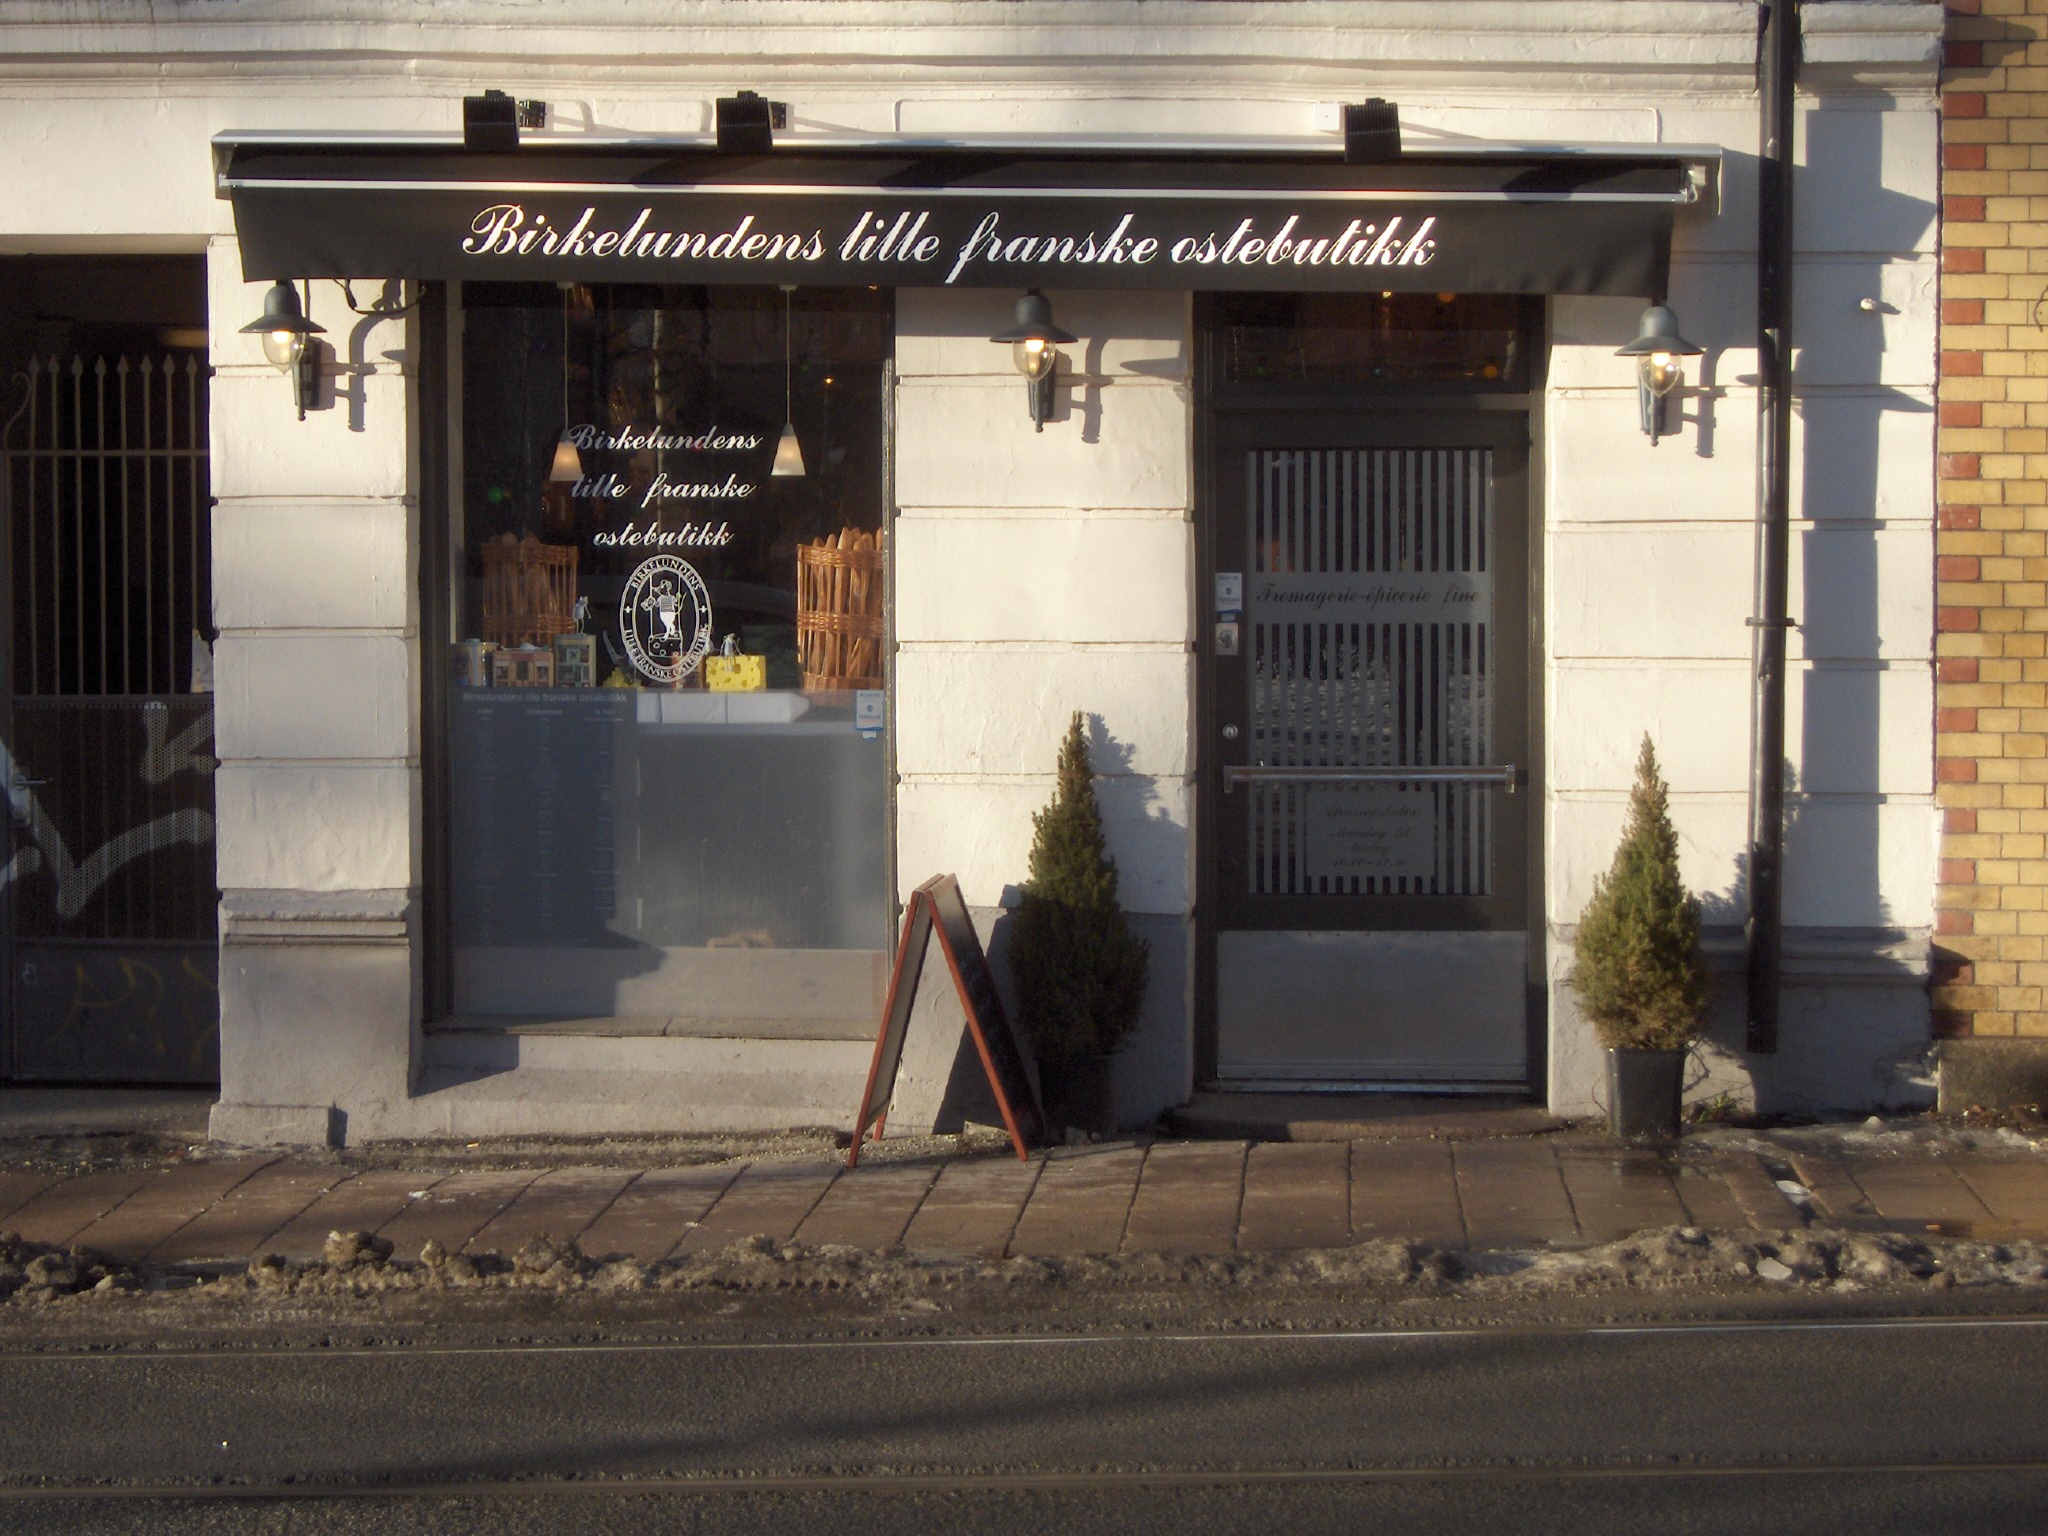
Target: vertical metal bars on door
(1369, 638)
(110, 901)
(107, 480)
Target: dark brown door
(1366, 667)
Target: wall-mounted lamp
(1034, 347)
(288, 341)
(1657, 349)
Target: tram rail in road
(1869, 1420)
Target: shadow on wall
(1853, 1025)
(1141, 835)
(1151, 1065)
(388, 308)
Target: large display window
(666, 769)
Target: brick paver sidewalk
(1202, 1196)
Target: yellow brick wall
(1991, 544)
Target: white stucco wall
(1038, 574)
(1649, 574)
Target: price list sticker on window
(869, 712)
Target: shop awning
(1507, 221)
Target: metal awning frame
(1702, 162)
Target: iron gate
(108, 890)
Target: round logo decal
(665, 618)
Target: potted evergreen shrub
(1078, 968)
(1640, 971)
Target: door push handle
(1506, 776)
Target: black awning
(1512, 222)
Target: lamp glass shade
(283, 349)
(568, 464)
(1659, 371)
(789, 454)
(1034, 357)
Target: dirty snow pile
(1841, 1261)
(360, 1264)
(31, 1272)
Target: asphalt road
(1868, 1426)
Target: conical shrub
(1640, 971)
(1079, 970)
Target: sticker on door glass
(1373, 597)
(665, 619)
(1371, 833)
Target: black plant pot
(1643, 1090)
(1080, 1094)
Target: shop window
(1455, 340)
(666, 777)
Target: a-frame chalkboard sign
(937, 906)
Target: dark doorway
(108, 891)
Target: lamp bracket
(1040, 391)
(306, 377)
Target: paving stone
(455, 1210)
(69, 1206)
(869, 1207)
(652, 1213)
(164, 1202)
(1764, 1206)
(241, 1221)
(973, 1208)
(1080, 1202)
(2015, 1192)
(1512, 1193)
(766, 1198)
(1836, 1194)
(1919, 1192)
(1405, 1189)
(559, 1205)
(1707, 1198)
(17, 1189)
(1615, 1193)
(362, 1203)
(1296, 1195)
(1187, 1199)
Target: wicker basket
(529, 590)
(839, 611)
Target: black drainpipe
(1777, 77)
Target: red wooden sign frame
(937, 906)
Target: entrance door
(1366, 775)
(108, 909)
